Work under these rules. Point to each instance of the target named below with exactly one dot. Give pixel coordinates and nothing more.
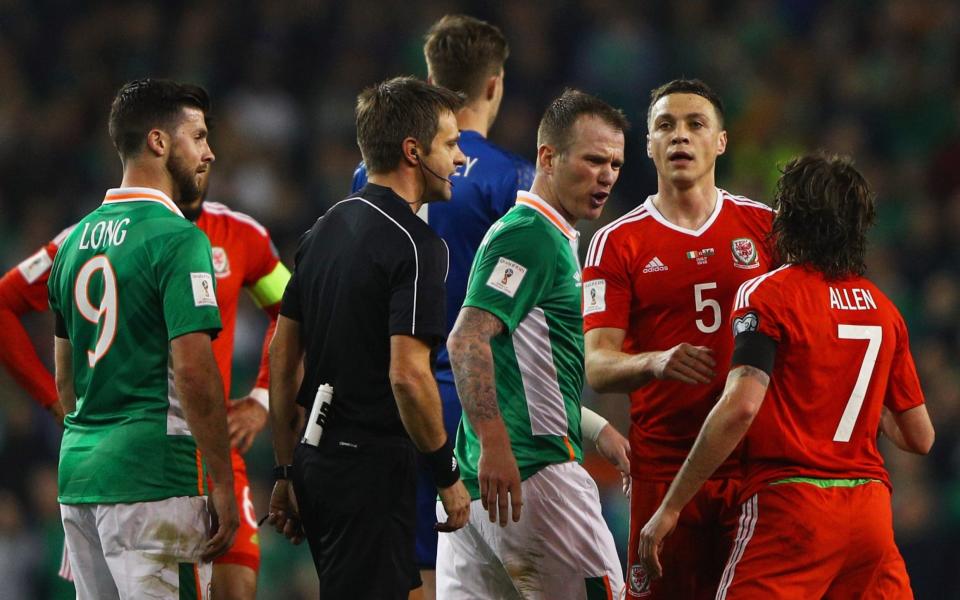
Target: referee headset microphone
(428, 169)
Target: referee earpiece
(413, 152)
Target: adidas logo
(655, 266)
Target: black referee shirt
(368, 269)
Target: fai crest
(221, 264)
(744, 253)
(639, 582)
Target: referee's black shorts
(357, 497)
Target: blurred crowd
(879, 80)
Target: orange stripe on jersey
(199, 473)
(196, 578)
(573, 453)
(606, 586)
(141, 196)
(538, 204)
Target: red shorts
(693, 556)
(246, 548)
(798, 540)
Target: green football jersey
(526, 272)
(131, 276)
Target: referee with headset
(364, 311)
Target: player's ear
(411, 152)
(546, 156)
(490, 92)
(722, 143)
(157, 142)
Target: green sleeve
(187, 284)
(511, 273)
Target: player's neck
(136, 175)
(474, 117)
(407, 185)
(687, 207)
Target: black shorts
(357, 500)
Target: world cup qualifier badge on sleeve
(745, 255)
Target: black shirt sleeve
(290, 304)
(417, 291)
(60, 327)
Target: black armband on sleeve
(754, 349)
(60, 328)
(443, 465)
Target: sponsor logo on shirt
(203, 291)
(594, 296)
(506, 276)
(744, 253)
(221, 263)
(655, 266)
(35, 266)
(748, 322)
(639, 582)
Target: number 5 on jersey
(107, 310)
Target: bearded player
(243, 257)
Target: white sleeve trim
(262, 396)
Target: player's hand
(245, 419)
(651, 540)
(499, 480)
(616, 449)
(456, 503)
(57, 412)
(284, 512)
(686, 363)
(225, 520)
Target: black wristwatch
(282, 472)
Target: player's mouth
(598, 199)
(680, 158)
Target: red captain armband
(443, 465)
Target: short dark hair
(687, 86)
(145, 104)
(462, 52)
(562, 114)
(393, 110)
(824, 209)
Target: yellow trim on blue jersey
(269, 289)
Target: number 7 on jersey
(873, 334)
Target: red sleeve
(261, 255)
(607, 288)
(903, 389)
(24, 289)
(755, 309)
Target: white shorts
(561, 548)
(140, 550)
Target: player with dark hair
(657, 283)
(132, 288)
(821, 365)
(517, 354)
(467, 55)
(362, 314)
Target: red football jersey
(664, 284)
(243, 256)
(842, 353)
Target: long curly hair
(824, 209)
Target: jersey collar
(658, 217)
(531, 200)
(140, 194)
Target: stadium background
(876, 79)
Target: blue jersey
(484, 189)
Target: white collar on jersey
(540, 205)
(140, 194)
(659, 218)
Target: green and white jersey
(132, 275)
(526, 273)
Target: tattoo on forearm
(473, 364)
(748, 371)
